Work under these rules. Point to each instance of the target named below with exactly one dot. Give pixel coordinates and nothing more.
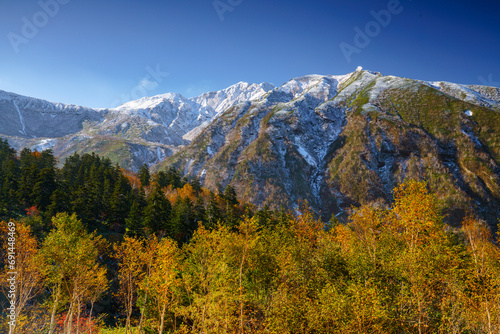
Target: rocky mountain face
(335, 141)
(138, 132)
(339, 141)
(32, 118)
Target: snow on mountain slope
(164, 123)
(479, 95)
(338, 141)
(30, 118)
(297, 119)
(213, 104)
(222, 100)
(139, 128)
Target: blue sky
(100, 53)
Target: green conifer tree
(120, 203)
(134, 223)
(213, 212)
(157, 213)
(44, 187)
(196, 184)
(144, 175)
(183, 217)
(230, 195)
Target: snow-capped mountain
(144, 130)
(335, 140)
(177, 115)
(31, 118)
(338, 141)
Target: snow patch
(310, 160)
(468, 113)
(202, 175)
(160, 154)
(469, 133)
(20, 117)
(188, 165)
(43, 145)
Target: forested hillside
(99, 248)
(333, 140)
(108, 198)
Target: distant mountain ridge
(144, 130)
(336, 141)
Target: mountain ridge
(335, 141)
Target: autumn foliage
(386, 270)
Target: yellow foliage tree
(483, 300)
(164, 278)
(129, 254)
(70, 264)
(24, 273)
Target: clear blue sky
(99, 53)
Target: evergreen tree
(157, 213)
(134, 223)
(9, 179)
(230, 195)
(83, 204)
(263, 216)
(196, 184)
(213, 212)
(171, 177)
(230, 218)
(6, 152)
(120, 204)
(47, 159)
(220, 190)
(200, 214)
(161, 179)
(69, 171)
(59, 202)
(183, 217)
(107, 193)
(44, 187)
(144, 175)
(174, 178)
(139, 196)
(28, 176)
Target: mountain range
(334, 140)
